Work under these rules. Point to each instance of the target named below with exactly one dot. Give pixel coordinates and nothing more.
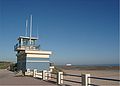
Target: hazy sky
(77, 31)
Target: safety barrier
(37, 74)
(59, 77)
(85, 79)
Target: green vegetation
(8, 65)
(13, 67)
(4, 64)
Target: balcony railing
(26, 47)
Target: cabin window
(25, 42)
(32, 42)
(19, 42)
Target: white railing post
(49, 75)
(85, 80)
(27, 72)
(51, 68)
(34, 72)
(60, 78)
(44, 74)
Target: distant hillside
(4, 64)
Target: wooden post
(44, 75)
(85, 80)
(34, 72)
(60, 78)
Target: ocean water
(99, 65)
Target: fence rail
(86, 79)
(60, 77)
(53, 77)
(72, 75)
(39, 74)
(71, 81)
(104, 79)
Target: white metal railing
(33, 47)
(85, 78)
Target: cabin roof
(24, 37)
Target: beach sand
(112, 74)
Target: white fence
(48, 75)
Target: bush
(13, 67)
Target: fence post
(34, 72)
(44, 74)
(51, 68)
(60, 78)
(49, 75)
(85, 80)
(27, 72)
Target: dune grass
(4, 65)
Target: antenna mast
(26, 27)
(30, 27)
(37, 31)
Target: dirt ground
(112, 74)
(8, 78)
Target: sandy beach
(112, 74)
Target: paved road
(9, 78)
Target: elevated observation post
(26, 43)
(30, 56)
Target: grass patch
(4, 65)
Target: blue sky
(77, 31)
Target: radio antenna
(30, 27)
(26, 27)
(37, 31)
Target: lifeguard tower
(29, 55)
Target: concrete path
(9, 78)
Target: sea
(98, 65)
